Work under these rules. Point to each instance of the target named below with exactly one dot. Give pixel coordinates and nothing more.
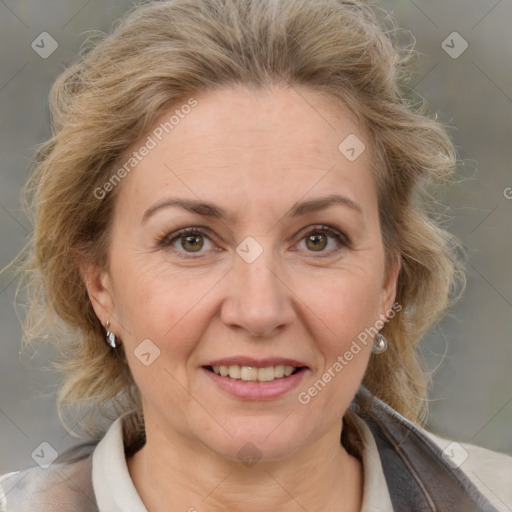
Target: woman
(231, 250)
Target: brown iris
(316, 241)
(192, 243)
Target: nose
(258, 299)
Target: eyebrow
(214, 211)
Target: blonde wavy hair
(162, 53)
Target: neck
(171, 472)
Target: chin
(255, 440)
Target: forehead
(236, 142)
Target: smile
(245, 382)
(252, 373)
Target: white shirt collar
(115, 491)
(376, 496)
(111, 480)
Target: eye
(317, 239)
(187, 240)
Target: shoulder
(63, 486)
(420, 465)
(5, 484)
(490, 471)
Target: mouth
(255, 373)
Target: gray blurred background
(470, 91)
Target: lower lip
(255, 390)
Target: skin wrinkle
(249, 311)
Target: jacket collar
(419, 478)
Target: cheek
(344, 306)
(166, 306)
(152, 295)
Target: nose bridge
(257, 299)
(260, 278)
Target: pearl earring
(380, 344)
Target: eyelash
(168, 240)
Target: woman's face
(271, 272)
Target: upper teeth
(266, 374)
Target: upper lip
(256, 363)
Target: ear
(390, 283)
(100, 291)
